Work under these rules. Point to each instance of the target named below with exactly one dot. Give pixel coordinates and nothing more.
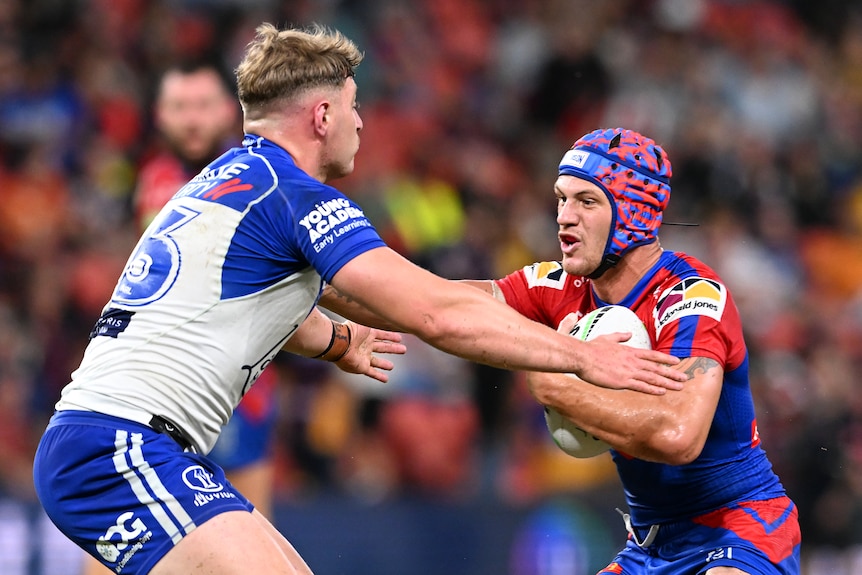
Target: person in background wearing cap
(228, 274)
(702, 495)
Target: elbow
(430, 329)
(678, 445)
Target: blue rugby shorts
(124, 492)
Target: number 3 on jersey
(154, 266)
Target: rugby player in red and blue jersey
(702, 495)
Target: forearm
(346, 306)
(317, 336)
(624, 420)
(667, 429)
(465, 321)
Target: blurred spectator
(466, 105)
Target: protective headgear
(635, 174)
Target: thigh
(233, 543)
(292, 555)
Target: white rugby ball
(602, 321)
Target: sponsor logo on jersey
(128, 528)
(254, 371)
(215, 183)
(199, 479)
(202, 499)
(719, 553)
(112, 323)
(546, 274)
(612, 568)
(691, 296)
(331, 219)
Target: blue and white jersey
(217, 284)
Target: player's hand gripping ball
(609, 319)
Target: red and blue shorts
(758, 537)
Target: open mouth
(568, 242)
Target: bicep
(698, 400)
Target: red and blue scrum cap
(634, 172)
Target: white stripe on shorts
(165, 508)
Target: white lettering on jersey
(127, 527)
(324, 222)
(691, 296)
(202, 183)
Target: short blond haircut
(280, 64)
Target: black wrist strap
(339, 343)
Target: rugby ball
(602, 321)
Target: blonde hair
(280, 64)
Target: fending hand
(361, 357)
(617, 366)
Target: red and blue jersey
(688, 312)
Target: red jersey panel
(688, 312)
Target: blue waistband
(666, 531)
(80, 417)
(670, 530)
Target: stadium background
(468, 105)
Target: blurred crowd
(468, 106)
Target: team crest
(545, 274)
(691, 296)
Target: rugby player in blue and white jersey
(227, 275)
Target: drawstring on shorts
(650, 536)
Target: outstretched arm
(464, 321)
(346, 306)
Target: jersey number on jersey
(153, 267)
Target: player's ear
(321, 116)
